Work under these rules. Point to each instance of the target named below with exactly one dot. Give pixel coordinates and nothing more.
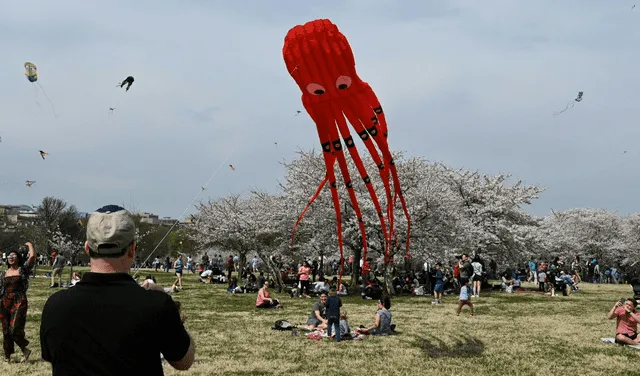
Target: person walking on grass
(107, 324)
(14, 283)
(464, 299)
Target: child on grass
(345, 331)
(542, 278)
(464, 298)
(333, 313)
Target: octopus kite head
(320, 60)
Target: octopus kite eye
(343, 82)
(315, 89)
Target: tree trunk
(273, 268)
(355, 271)
(321, 266)
(388, 278)
(243, 260)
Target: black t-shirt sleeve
(175, 341)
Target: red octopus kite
(319, 58)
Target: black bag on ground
(283, 325)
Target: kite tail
(51, 103)
(315, 196)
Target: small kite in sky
(203, 188)
(297, 113)
(633, 6)
(42, 153)
(30, 183)
(233, 168)
(128, 81)
(570, 104)
(31, 71)
(111, 109)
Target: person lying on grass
(627, 321)
(150, 280)
(150, 284)
(264, 299)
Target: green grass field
(513, 334)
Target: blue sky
(472, 84)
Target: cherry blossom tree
(588, 232)
(66, 245)
(452, 211)
(246, 224)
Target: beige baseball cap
(110, 229)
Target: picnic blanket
(613, 340)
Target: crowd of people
(108, 291)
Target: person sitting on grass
(233, 286)
(345, 330)
(264, 299)
(77, 276)
(627, 321)
(318, 320)
(206, 276)
(382, 326)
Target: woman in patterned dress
(14, 283)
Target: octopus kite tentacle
(319, 58)
(313, 198)
(353, 151)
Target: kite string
(46, 96)
(569, 105)
(187, 208)
(38, 103)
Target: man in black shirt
(107, 324)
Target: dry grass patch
(513, 334)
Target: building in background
(15, 216)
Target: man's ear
(132, 250)
(86, 248)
